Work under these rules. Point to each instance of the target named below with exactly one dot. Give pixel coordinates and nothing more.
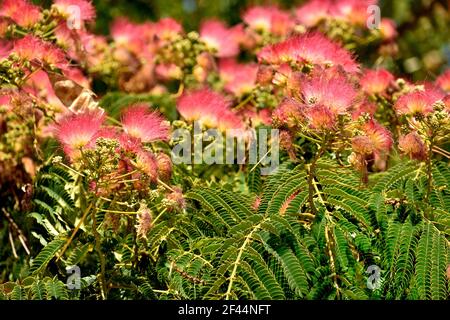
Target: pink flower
(129, 144)
(321, 118)
(218, 37)
(376, 81)
(209, 107)
(139, 122)
(146, 162)
(22, 12)
(388, 29)
(417, 102)
(364, 107)
(203, 104)
(5, 49)
(144, 222)
(4, 24)
(40, 86)
(312, 12)
(446, 101)
(268, 19)
(164, 164)
(77, 130)
(167, 29)
(380, 136)
(312, 48)
(334, 92)
(362, 145)
(413, 146)
(85, 7)
(289, 113)
(176, 199)
(354, 11)
(443, 81)
(239, 78)
(31, 48)
(105, 133)
(128, 34)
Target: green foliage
(274, 253)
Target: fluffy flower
(446, 101)
(312, 48)
(144, 221)
(443, 81)
(85, 7)
(175, 200)
(334, 92)
(380, 136)
(218, 37)
(312, 12)
(164, 166)
(22, 12)
(288, 113)
(32, 48)
(239, 78)
(268, 19)
(417, 102)
(209, 107)
(5, 49)
(413, 146)
(77, 130)
(167, 29)
(146, 162)
(139, 122)
(129, 144)
(203, 104)
(40, 86)
(388, 29)
(354, 11)
(127, 34)
(362, 145)
(105, 133)
(376, 81)
(321, 118)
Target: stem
(243, 102)
(75, 231)
(162, 212)
(100, 255)
(430, 169)
(311, 175)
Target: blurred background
(423, 25)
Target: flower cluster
(292, 70)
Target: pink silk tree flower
(310, 48)
(141, 123)
(417, 102)
(67, 8)
(269, 19)
(443, 81)
(413, 146)
(376, 81)
(217, 36)
(239, 78)
(76, 131)
(334, 92)
(380, 136)
(22, 12)
(31, 48)
(312, 12)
